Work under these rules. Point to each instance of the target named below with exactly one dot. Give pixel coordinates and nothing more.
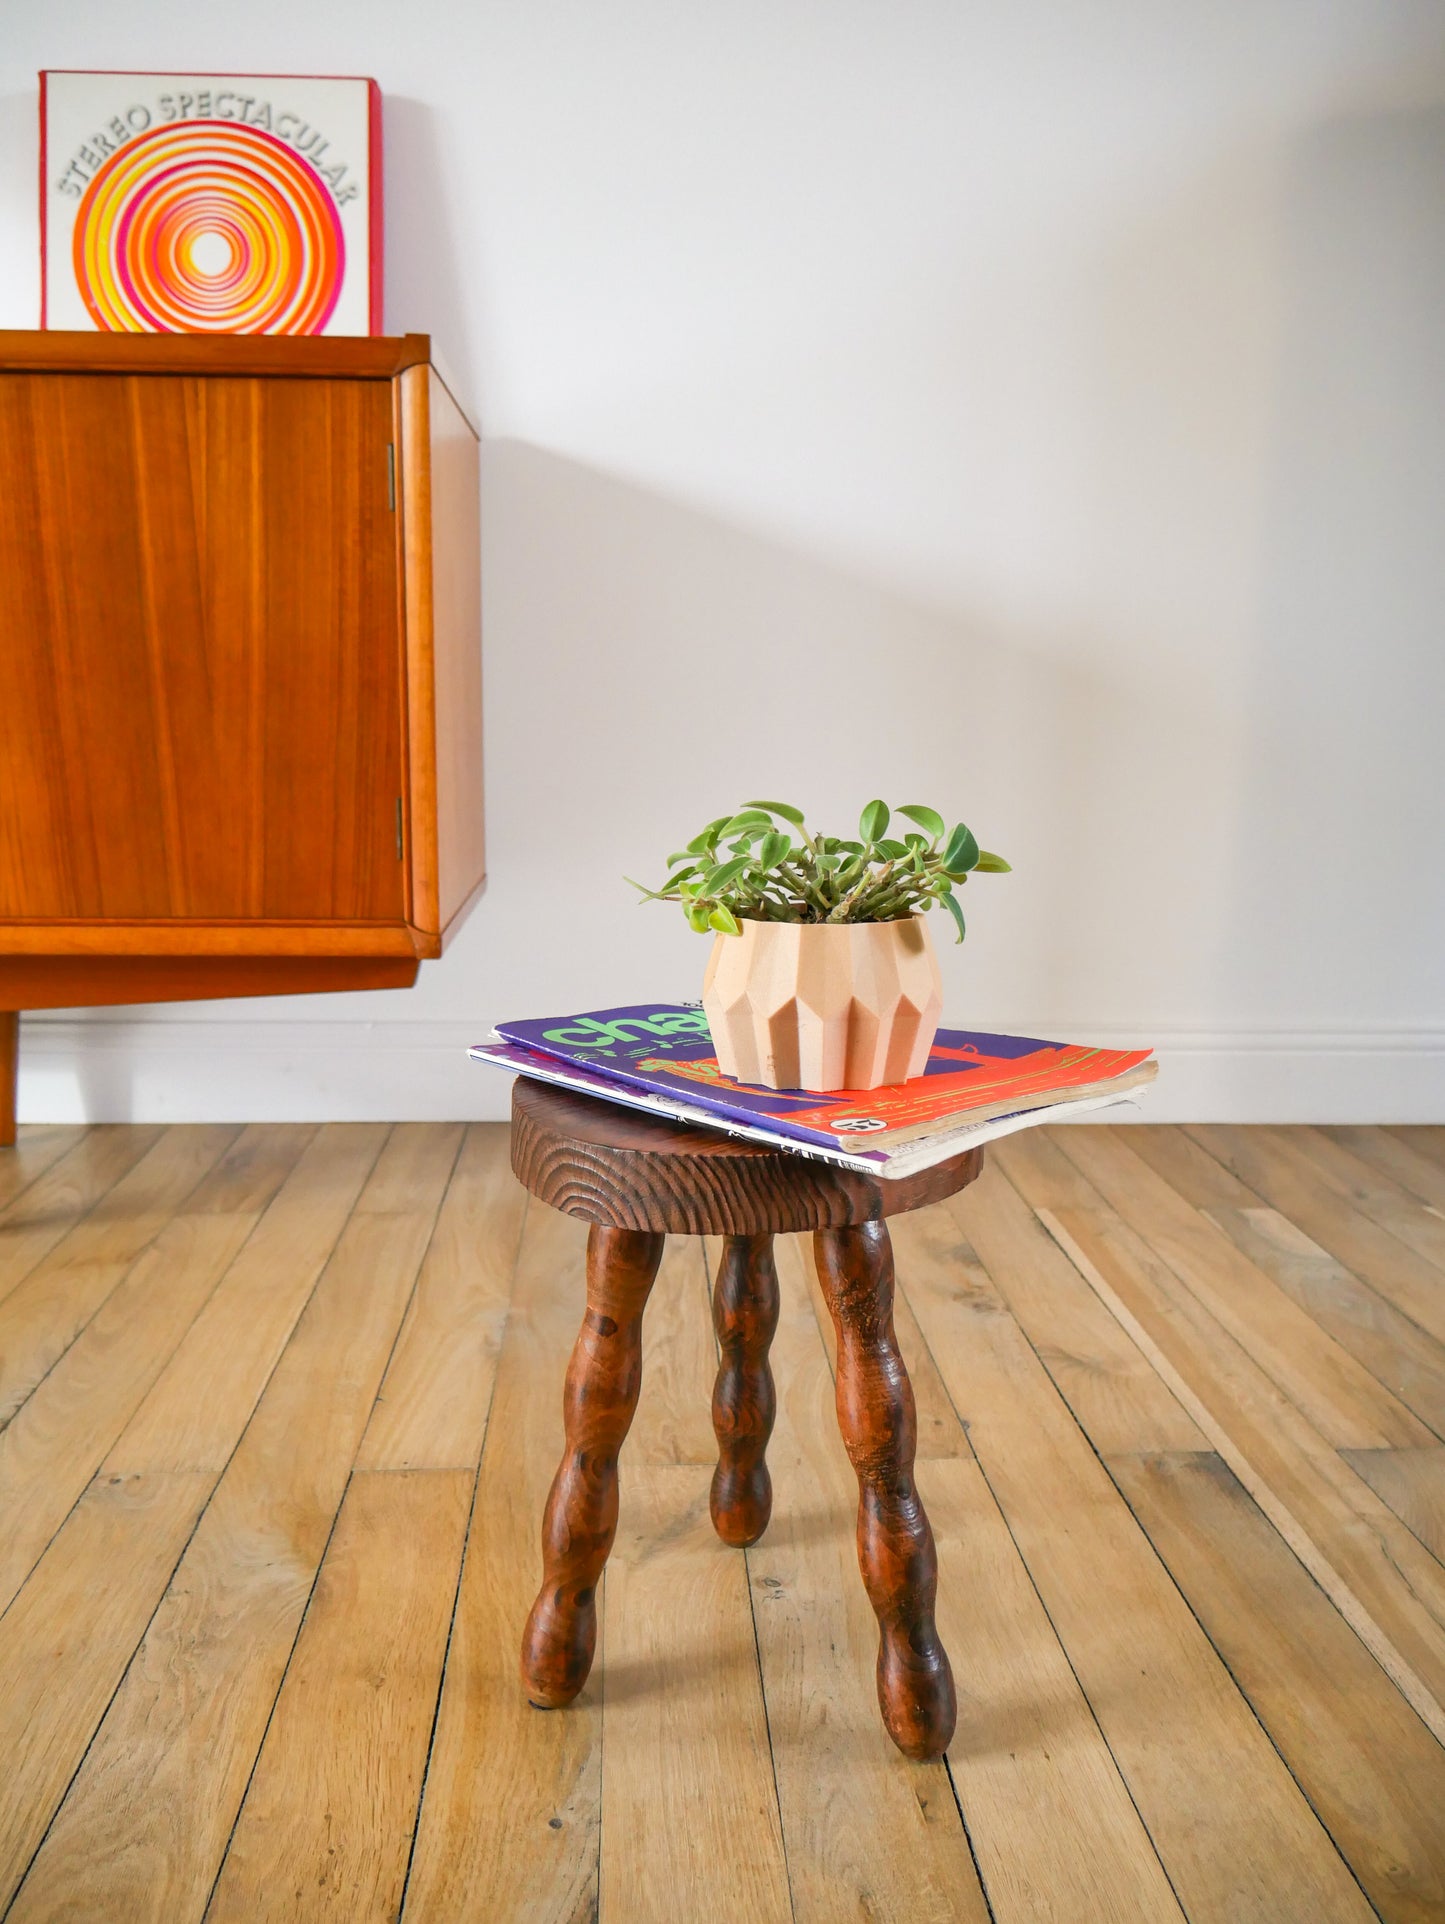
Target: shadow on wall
(649, 666)
(423, 289)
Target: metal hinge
(398, 829)
(391, 475)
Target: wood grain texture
(311, 356)
(1387, 1587)
(1395, 1350)
(255, 1166)
(1366, 1762)
(1232, 1830)
(1283, 1177)
(56, 1442)
(194, 1415)
(431, 1411)
(49, 1210)
(580, 1520)
(102, 981)
(441, 509)
(614, 1166)
(254, 940)
(1105, 1379)
(689, 1813)
(1050, 1819)
(325, 1830)
(940, 1433)
(679, 1364)
(47, 1310)
(37, 1146)
(9, 1075)
(744, 1400)
(1373, 1192)
(510, 1820)
(1344, 1402)
(1407, 1165)
(207, 738)
(868, 1833)
(69, 1635)
(1412, 1482)
(1390, 1344)
(206, 650)
(895, 1544)
(144, 1825)
(1147, 1672)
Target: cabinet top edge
(359, 356)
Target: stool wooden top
(628, 1170)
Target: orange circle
(149, 202)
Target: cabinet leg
(9, 1074)
(603, 1380)
(895, 1544)
(744, 1403)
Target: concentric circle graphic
(208, 227)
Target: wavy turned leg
(895, 1544)
(580, 1522)
(745, 1315)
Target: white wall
(1037, 410)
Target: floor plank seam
(129, 1418)
(271, 1712)
(1343, 1598)
(462, 1560)
(1296, 1472)
(119, 1282)
(968, 1839)
(200, 1517)
(707, 1294)
(1192, 1131)
(768, 1729)
(82, 1131)
(341, 1503)
(8, 1289)
(119, 1684)
(1244, 1695)
(1054, 1628)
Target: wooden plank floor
(278, 1411)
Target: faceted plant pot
(824, 1005)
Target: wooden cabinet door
(200, 661)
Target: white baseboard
(128, 1068)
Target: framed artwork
(210, 203)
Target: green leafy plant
(749, 867)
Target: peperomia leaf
(744, 867)
(717, 879)
(926, 818)
(873, 822)
(961, 854)
(788, 813)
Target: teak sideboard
(240, 668)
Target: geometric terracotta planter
(824, 1005)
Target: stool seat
(630, 1170)
(636, 1179)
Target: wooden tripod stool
(638, 1179)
